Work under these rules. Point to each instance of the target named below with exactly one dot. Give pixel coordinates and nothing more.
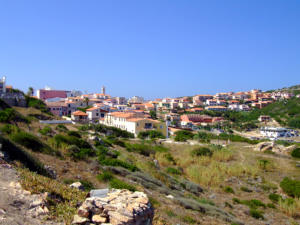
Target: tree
(30, 91)
(86, 100)
(153, 114)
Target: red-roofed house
(79, 116)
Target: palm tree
(30, 91)
(86, 100)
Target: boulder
(115, 207)
(77, 185)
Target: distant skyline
(157, 48)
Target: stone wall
(13, 99)
(115, 207)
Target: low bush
(257, 214)
(105, 176)
(189, 220)
(74, 133)
(245, 189)
(152, 134)
(116, 162)
(32, 142)
(117, 132)
(37, 103)
(61, 127)
(296, 153)
(291, 187)
(79, 153)
(228, 189)
(45, 130)
(142, 149)
(274, 197)
(201, 151)
(119, 184)
(16, 153)
(183, 135)
(87, 185)
(10, 115)
(174, 171)
(71, 140)
(10, 129)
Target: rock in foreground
(116, 207)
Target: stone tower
(103, 90)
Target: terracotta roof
(93, 108)
(79, 113)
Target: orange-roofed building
(133, 122)
(95, 113)
(79, 116)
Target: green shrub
(9, 129)
(61, 127)
(16, 153)
(46, 130)
(71, 140)
(291, 187)
(174, 171)
(245, 189)
(74, 133)
(189, 220)
(10, 115)
(37, 103)
(117, 132)
(201, 151)
(229, 189)
(183, 135)
(271, 206)
(296, 153)
(152, 134)
(169, 157)
(274, 197)
(28, 140)
(142, 149)
(105, 176)
(87, 185)
(119, 184)
(256, 214)
(79, 153)
(116, 162)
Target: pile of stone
(271, 146)
(115, 207)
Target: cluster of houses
(134, 114)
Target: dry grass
(290, 208)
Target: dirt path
(17, 206)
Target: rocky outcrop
(77, 185)
(273, 147)
(18, 206)
(115, 207)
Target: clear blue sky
(152, 48)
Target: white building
(136, 99)
(95, 113)
(274, 132)
(3, 85)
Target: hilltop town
(73, 158)
(166, 115)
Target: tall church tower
(103, 90)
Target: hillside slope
(200, 184)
